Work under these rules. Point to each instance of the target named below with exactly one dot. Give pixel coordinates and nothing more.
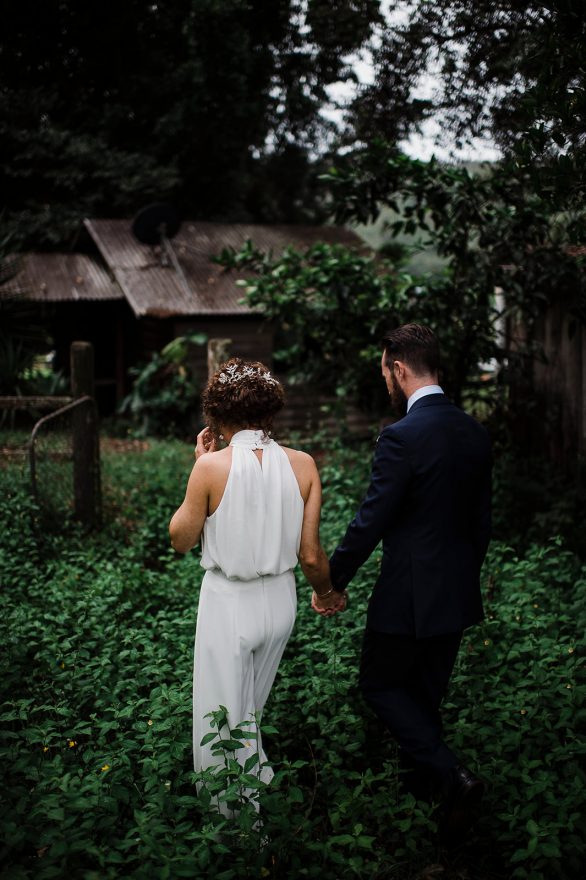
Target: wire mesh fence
(18, 416)
(58, 455)
(50, 454)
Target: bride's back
(257, 491)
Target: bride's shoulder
(299, 458)
(211, 462)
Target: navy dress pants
(404, 679)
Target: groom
(429, 501)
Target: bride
(255, 505)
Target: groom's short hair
(414, 344)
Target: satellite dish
(156, 222)
(156, 225)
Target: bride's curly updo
(243, 394)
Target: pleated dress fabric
(248, 602)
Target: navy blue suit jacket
(429, 501)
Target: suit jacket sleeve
(389, 480)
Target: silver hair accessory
(233, 374)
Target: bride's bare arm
(187, 522)
(314, 562)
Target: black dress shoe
(461, 804)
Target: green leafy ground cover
(97, 640)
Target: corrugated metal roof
(153, 289)
(62, 277)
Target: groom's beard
(398, 397)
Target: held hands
(329, 604)
(206, 442)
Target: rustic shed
(78, 298)
(123, 297)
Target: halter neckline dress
(248, 602)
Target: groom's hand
(329, 605)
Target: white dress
(247, 606)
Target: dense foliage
(161, 402)
(212, 103)
(510, 72)
(513, 72)
(218, 105)
(495, 232)
(331, 306)
(97, 637)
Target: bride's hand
(330, 606)
(206, 442)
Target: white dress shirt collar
(423, 392)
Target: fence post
(86, 437)
(217, 353)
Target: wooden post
(86, 437)
(120, 357)
(217, 354)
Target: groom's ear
(399, 369)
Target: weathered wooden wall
(560, 383)
(252, 338)
(308, 414)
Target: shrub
(164, 397)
